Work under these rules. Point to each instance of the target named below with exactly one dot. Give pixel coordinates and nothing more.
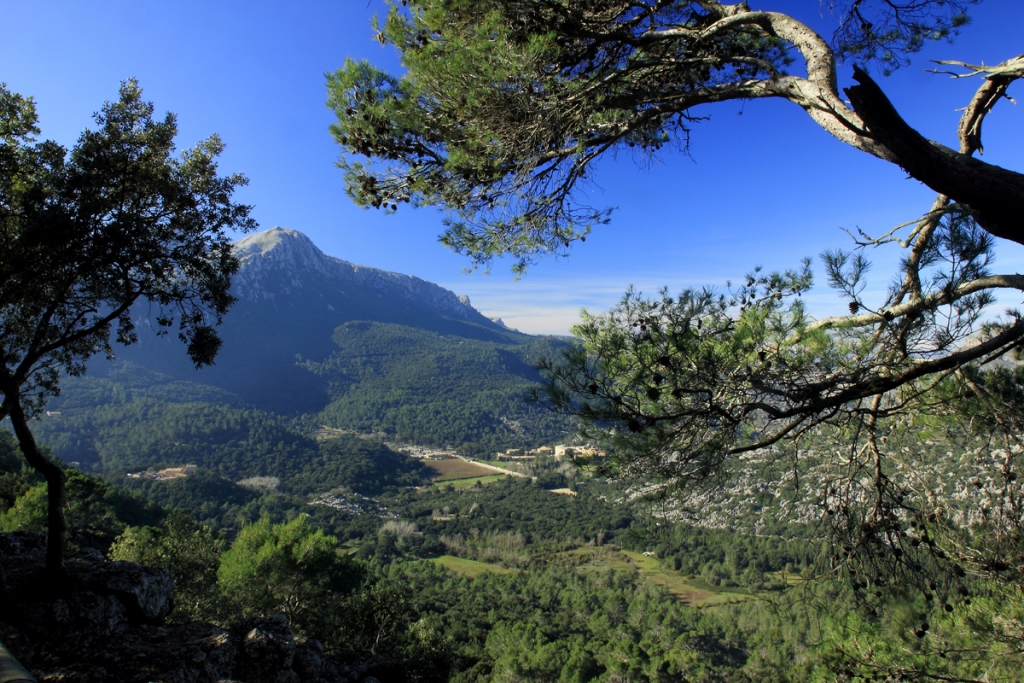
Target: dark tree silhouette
(86, 235)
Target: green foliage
(225, 443)
(290, 568)
(675, 385)
(15, 476)
(368, 467)
(144, 433)
(408, 383)
(559, 624)
(208, 496)
(436, 389)
(192, 554)
(115, 383)
(703, 397)
(503, 106)
(502, 109)
(972, 640)
(10, 459)
(85, 236)
(728, 559)
(514, 506)
(564, 614)
(379, 628)
(97, 513)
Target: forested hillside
(312, 341)
(510, 581)
(424, 387)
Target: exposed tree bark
(54, 475)
(995, 195)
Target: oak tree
(86, 235)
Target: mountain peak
(268, 240)
(281, 248)
(281, 261)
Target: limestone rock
(146, 592)
(294, 258)
(267, 648)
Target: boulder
(309, 660)
(147, 593)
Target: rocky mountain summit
(108, 624)
(281, 261)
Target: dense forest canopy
(510, 581)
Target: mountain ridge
(286, 250)
(311, 340)
(291, 297)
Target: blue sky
(764, 185)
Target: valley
(385, 420)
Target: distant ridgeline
(312, 340)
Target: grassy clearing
(469, 568)
(450, 470)
(675, 584)
(593, 559)
(596, 559)
(469, 483)
(791, 578)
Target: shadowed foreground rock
(107, 624)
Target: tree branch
(995, 195)
(55, 477)
(916, 305)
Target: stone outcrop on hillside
(108, 624)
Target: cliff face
(109, 624)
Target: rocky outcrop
(146, 594)
(109, 623)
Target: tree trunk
(994, 194)
(54, 475)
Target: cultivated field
(449, 470)
(471, 482)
